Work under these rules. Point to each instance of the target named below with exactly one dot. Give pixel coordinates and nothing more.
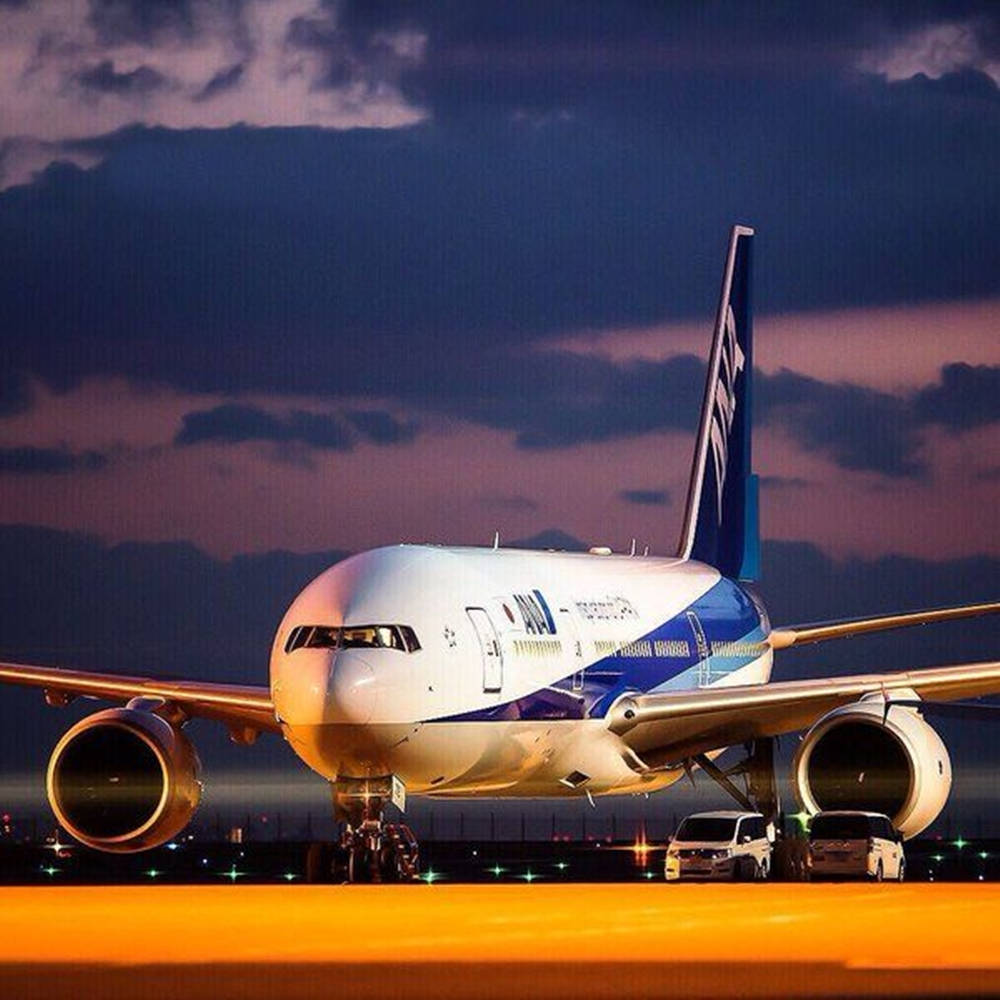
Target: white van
(846, 844)
(720, 845)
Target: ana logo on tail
(724, 406)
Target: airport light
(232, 874)
(289, 876)
(802, 818)
(938, 858)
(984, 855)
(960, 843)
(50, 870)
(528, 876)
(153, 872)
(562, 866)
(497, 870)
(430, 876)
(648, 875)
(172, 846)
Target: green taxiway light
(984, 855)
(430, 876)
(648, 875)
(50, 871)
(289, 876)
(529, 876)
(497, 870)
(960, 843)
(802, 819)
(232, 874)
(938, 858)
(562, 866)
(152, 873)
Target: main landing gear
(368, 849)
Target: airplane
(461, 671)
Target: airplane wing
(798, 635)
(245, 709)
(667, 728)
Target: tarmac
(539, 940)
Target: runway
(577, 940)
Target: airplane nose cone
(352, 691)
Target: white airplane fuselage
(520, 656)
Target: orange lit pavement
(499, 940)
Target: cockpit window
(400, 637)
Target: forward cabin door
(489, 645)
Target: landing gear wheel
(879, 873)
(902, 871)
(319, 860)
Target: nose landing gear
(368, 849)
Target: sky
(285, 279)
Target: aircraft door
(576, 647)
(703, 649)
(489, 645)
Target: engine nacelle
(851, 760)
(123, 780)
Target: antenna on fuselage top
(496, 539)
(631, 550)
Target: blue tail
(720, 523)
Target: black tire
(879, 872)
(901, 874)
(319, 858)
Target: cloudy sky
(312, 277)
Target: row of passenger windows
(737, 648)
(400, 637)
(644, 648)
(678, 648)
(537, 647)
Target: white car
(720, 845)
(855, 844)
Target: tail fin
(720, 523)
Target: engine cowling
(123, 780)
(856, 757)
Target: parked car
(719, 845)
(846, 844)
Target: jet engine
(123, 780)
(858, 757)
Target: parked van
(719, 845)
(855, 845)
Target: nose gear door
(489, 645)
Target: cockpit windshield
(400, 637)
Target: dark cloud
(968, 396)
(857, 427)
(553, 400)
(136, 82)
(224, 80)
(234, 423)
(659, 498)
(143, 21)
(48, 461)
(380, 427)
(325, 259)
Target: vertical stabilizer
(720, 522)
